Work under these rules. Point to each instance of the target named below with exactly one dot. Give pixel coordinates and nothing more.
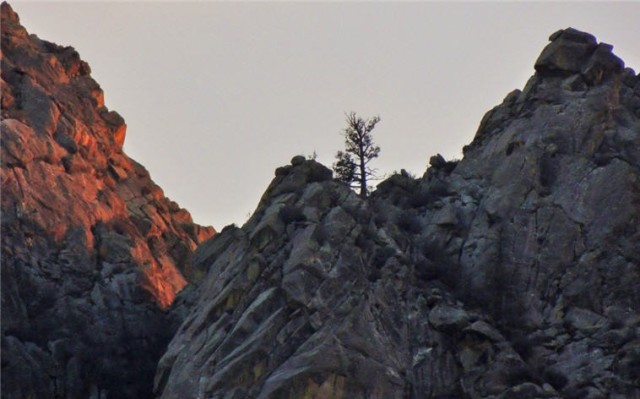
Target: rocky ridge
(92, 250)
(513, 273)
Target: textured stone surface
(513, 273)
(92, 251)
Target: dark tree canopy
(352, 164)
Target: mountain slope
(513, 273)
(92, 251)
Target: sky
(216, 95)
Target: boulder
(568, 52)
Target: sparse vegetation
(555, 378)
(381, 256)
(409, 222)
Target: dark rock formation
(513, 273)
(92, 251)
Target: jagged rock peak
(9, 16)
(93, 253)
(512, 273)
(573, 69)
(572, 51)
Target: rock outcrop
(513, 273)
(92, 251)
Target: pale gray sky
(216, 95)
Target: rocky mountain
(93, 253)
(513, 273)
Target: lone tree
(352, 165)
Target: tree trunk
(363, 172)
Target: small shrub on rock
(555, 378)
(519, 374)
(409, 222)
(382, 255)
(420, 197)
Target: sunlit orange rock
(93, 253)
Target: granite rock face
(513, 273)
(92, 251)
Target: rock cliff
(513, 273)
(92, 250)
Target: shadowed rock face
(513, 273)
(92, 251)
